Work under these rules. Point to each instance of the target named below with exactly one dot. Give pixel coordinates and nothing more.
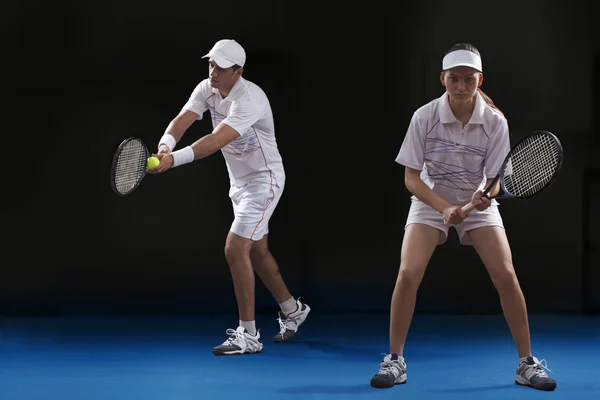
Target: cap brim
(220, 61)
(475, 67)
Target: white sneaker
(289, 324)
(530, 372)
(239, 342)
(392, 371)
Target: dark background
(79, 77)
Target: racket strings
(130, 166)
(532, 166)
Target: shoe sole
(275, 340)
(235, 352)
(284, 340)
(378, 384)
(519, 380)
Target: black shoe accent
(384, 381)
(226, 350)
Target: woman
(454, 144)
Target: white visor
(462, 58)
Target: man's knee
(237, 247)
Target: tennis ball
(152, 162)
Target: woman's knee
(504, 277)
(410, 275)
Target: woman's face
(461, 83)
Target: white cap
(462, 58)
(227, 53)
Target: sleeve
(412, 151)
(242, 115)
(497, 149)
(197, 102)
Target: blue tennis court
(333, 357)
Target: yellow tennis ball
(152, 162)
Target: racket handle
(466, 209)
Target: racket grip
(466, 209)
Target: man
(243, 129)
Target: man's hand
(164, 149)
(166, 162)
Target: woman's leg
(418, 246)
(492, 246)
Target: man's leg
(237, 252)
(267, 270)
(245, 339)
(293, 311)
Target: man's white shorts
(421, 213)
(253, 206)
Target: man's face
(222, 78)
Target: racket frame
(113, 167)
(505, 194)
(500, 175)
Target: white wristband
(183, 156)
(167, 140)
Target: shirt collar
(236, 90)
(446, 115)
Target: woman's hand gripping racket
(530, 167)
(129, 166)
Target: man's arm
(241, 117)
(201, 148)
(219, 138)
(176, 129)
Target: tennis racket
(129, 166)
(530, 167)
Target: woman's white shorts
(421, 213)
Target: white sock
(288, 306)
(249, 326)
